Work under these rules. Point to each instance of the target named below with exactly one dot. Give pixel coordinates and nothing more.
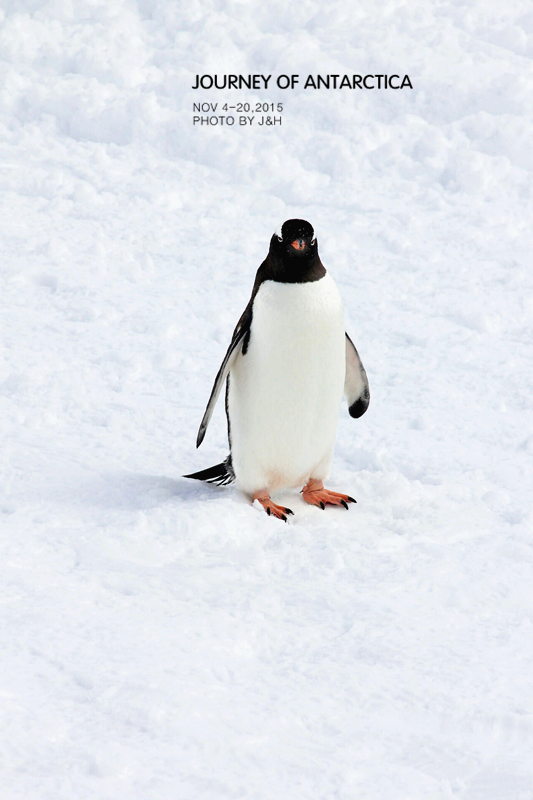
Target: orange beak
(298, 244)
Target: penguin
(287, 366)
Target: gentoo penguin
(286, 368)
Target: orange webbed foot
(273, 510)
(315, 494)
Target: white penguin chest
(285, 392)
(299, 326)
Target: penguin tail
(221, 474)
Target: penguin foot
(315, 494)
(280, 512)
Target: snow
(165, 639)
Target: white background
(163, 639)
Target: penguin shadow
(136, 491)
(117, 490)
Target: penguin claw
(315, 494)
(273, 510)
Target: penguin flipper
(356, 388)
(240, 334)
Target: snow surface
(163, 639)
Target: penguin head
(293, 249)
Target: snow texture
(164, 639)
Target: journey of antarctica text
(380, 81)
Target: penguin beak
(298, 244)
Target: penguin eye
(280, 238)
